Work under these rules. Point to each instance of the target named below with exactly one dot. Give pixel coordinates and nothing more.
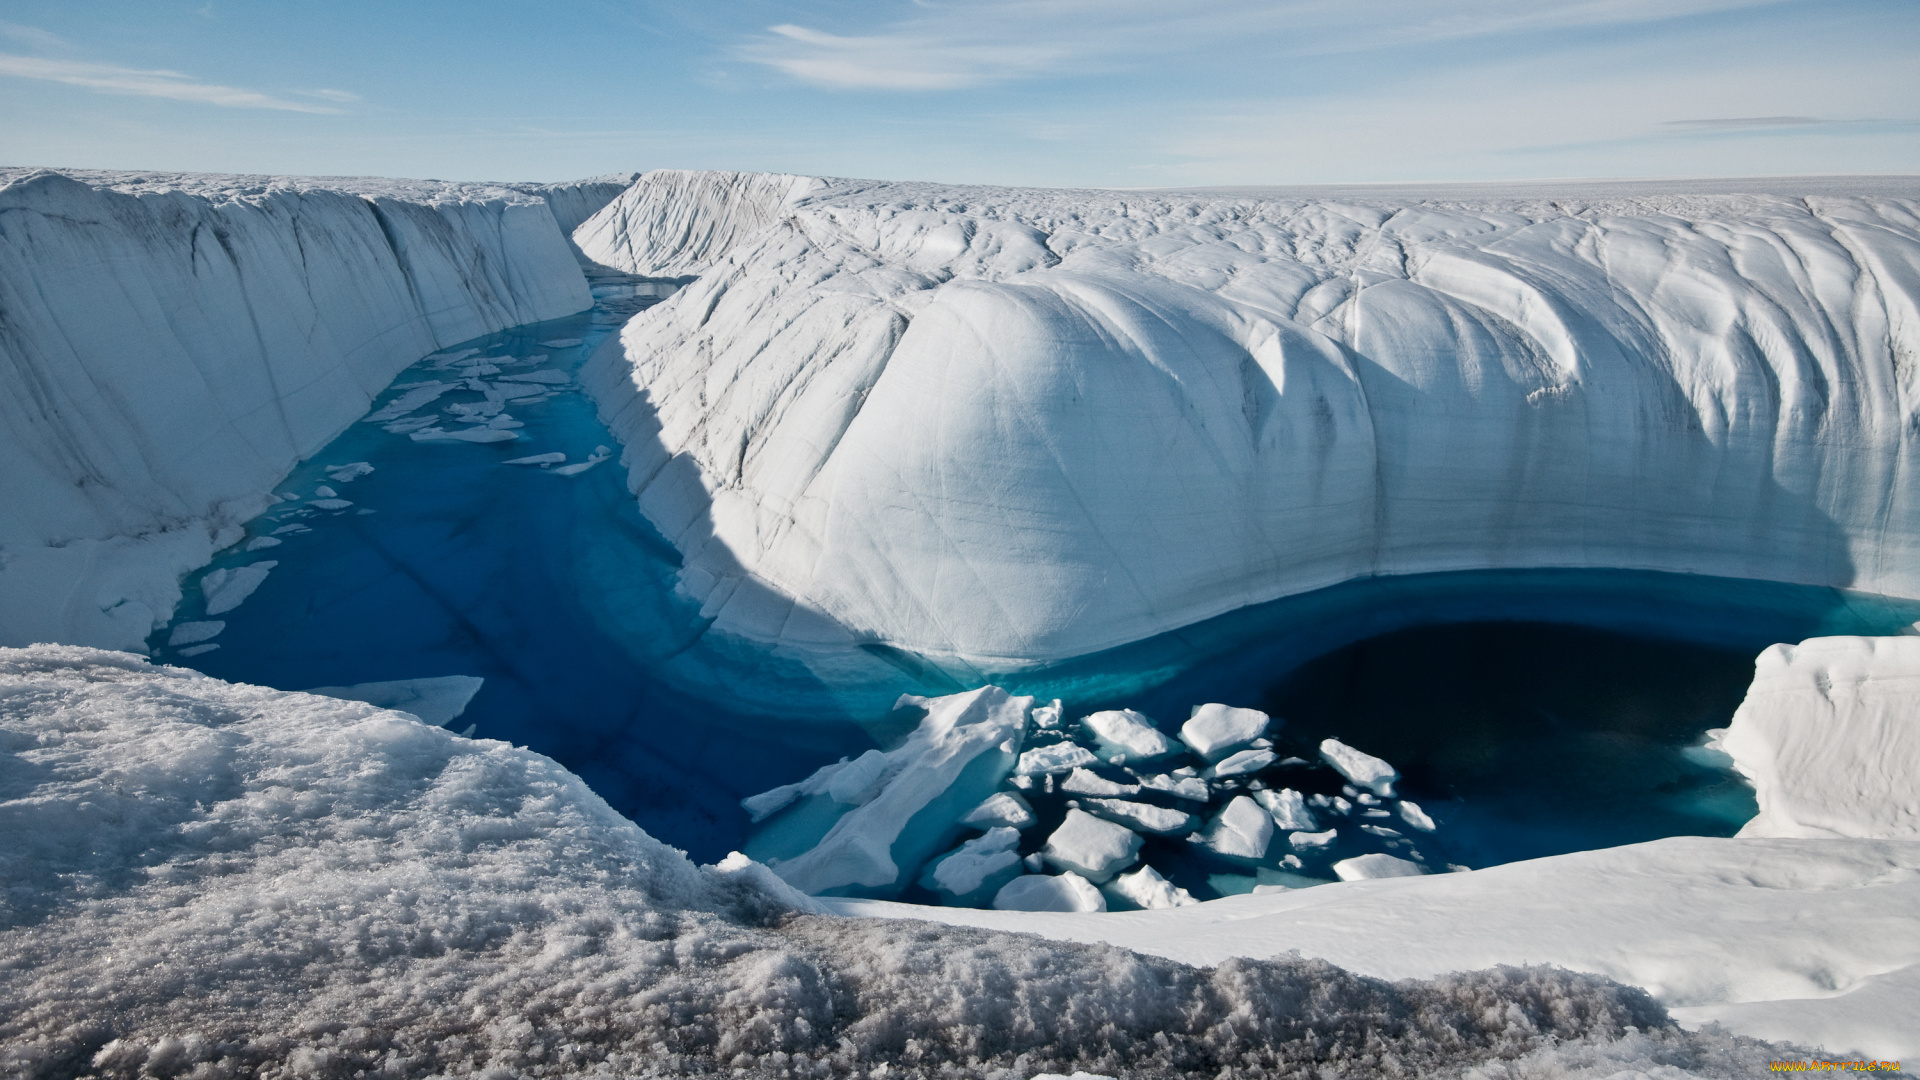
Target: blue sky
(1119, 93)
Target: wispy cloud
(973, 42)
(174, 85)
(1744, 123)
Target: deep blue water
(555, 591)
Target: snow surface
(175, 343)
(927, 416)
(214, 880)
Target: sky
(1103, 93)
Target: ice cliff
(171, 345)
(208, 879)
(1008, 425)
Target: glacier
(172, 344)
(994, 427)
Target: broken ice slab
(1242, 830)
(1411, 813)
(548, 376)
(1185, 787)
(261, 543)
(1215, 730)
(1289, 809)
(560, 343)
(329, 504)
(408, 402)
(1362, 768)
(472, 435)
(600, 454)
(554, 458)
(958, 755)
(1082, 782)
(191, 633)
(1000, 808)
(1377, 865)
(972, 873)
(1142, 817)
(1241, 763)
(1058, 758)
(1039, 892)
(434, 700)
(410, 424)
(196, 650)
(1091, 847)
(227, 588)
(1312, 841)
(1145, 888)
(1127, 735)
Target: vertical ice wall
(171, 345)
(1006, 425)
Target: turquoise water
(555, 591)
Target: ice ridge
(1005, 426)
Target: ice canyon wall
(171, 345)
(1007, 425)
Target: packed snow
(1306, 387)
(177, 342)
(211, 879)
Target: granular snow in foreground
(205, 879)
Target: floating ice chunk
(1147, 889)
(1289, 809)
(1242, 763)
(976, 869)
(1381, 831)
(293, 528)
(1363, 769)
(228, 588)
(1311, 841)
(1082, 782)
(435, 700)
(560, 343)
(329, 504)
(1215, 730)
(1090, 847)
(504, 422)
(600, 454)
(1047, 717)
(1142, 817)
(503, 391)
(1377, 865)
(325, 492)
(409, 425)
(1242, 830)
(472, 435)
(881, 842)
(475, 410)
(1039, 892)
(407, 402)
(1058, 758)
(1126, 734)
(761, 806)
(1185, 787)
(1001, 808)
(261, 543)
(554, 458)
(549, 377)
(196, 650)
(859, 780)
(191, 633)
(451, 356)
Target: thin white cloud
(344, 97)
(31, 36)
(950, 46)
(173, 85)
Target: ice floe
(435, 700)
(227, 588)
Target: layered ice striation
(926, 417)
(175, 343)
